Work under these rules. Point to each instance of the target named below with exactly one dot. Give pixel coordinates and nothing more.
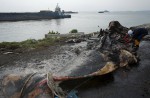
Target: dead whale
(106, 56)
(102, 60)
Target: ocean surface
(83, 21)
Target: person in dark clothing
(137, 36)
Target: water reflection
(58, 22)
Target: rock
(77, 51)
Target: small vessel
(103, 11)
(43, 14)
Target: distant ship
(103, 11)
(43, 14)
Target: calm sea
(83, 21)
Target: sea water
(86, 22)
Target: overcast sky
(73, 5)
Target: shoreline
(147, 26)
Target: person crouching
(137, 35)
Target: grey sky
(73, 5)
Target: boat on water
(103, 11)
(43, 14)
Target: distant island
(103, 11)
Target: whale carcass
(105, 56)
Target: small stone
(41, 67)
